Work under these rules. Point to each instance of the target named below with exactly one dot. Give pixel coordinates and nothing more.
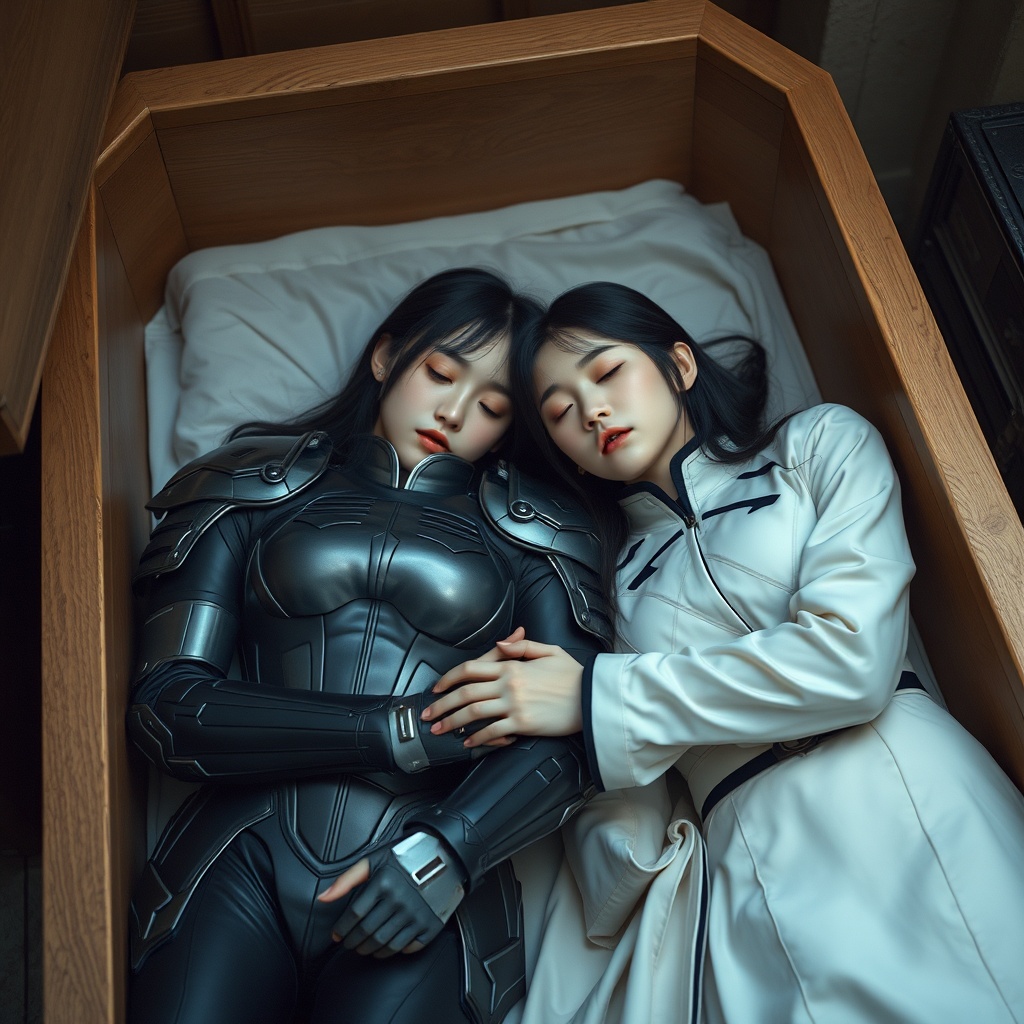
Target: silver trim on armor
(406, 746)
(422, 857)
(429, 871)
(406, 718)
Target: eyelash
(443, 379)
(600, 380)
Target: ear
(683, 355)
(381, 356)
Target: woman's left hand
(358, 874)
(382, 918)
(530, 689)
(347, 881)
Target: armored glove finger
(415, 884)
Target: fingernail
(435, 728)
(425, 714)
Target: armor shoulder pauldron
(541, 518)
(247, 472)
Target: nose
(595, 411)
(451, 410)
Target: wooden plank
(94, 529)
(761, 64)
(144, 218)
(743, 79)
(78, 897)
(474, 55)
(874, 344)
(472, 149)
(57, 75)
(129, 112)
(736, 149)
(125, 524)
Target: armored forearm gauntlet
(232, 730)
(197, 725)
(518, 795)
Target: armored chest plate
(427, 561)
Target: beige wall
(902, 66)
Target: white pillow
(269, 329)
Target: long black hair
(726, 402)
(456, 311)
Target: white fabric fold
(623, 931)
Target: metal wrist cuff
(425, 860)
(406, 744)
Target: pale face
(446, 403)
(611, 411)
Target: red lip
(613, 438)
(433, 440)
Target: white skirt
(878, 878)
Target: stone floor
(21, 986)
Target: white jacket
(877, 877)
(775, 593)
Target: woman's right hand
(528, 688)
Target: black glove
(415, 884)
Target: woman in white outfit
(866, 854)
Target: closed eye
(557, 417)
(611, 373)
(437, 375)
(493, 413)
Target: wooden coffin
(446, 122)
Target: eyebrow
(582, 363)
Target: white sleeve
(834, 662)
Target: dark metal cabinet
(970, 259)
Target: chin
(612, 473)
(407, 461)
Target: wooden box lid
(59, 63)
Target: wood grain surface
(57, 75)
(78, 927)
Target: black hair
(725, 404)
(456, 311)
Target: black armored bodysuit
(346, 596)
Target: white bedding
(268, 329)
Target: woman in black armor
(349, 559)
